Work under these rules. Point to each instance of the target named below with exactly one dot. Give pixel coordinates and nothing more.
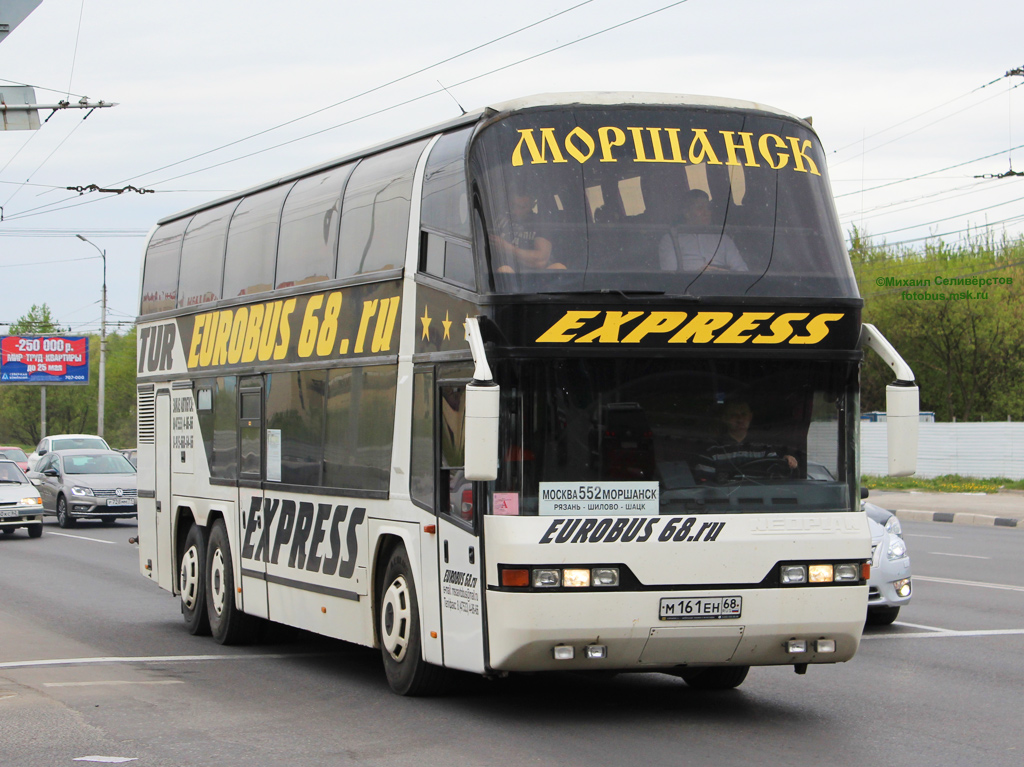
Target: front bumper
(524, 628)
(20, 516)
(92, 507)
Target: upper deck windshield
(681, 201)
(711, 435)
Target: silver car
(889, 587)
(86, 484)
(20, 505)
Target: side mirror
(901, 426)
(864, 493)
(481, 431)
(44, 451)
(51, 473)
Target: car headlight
(36, 501)
(81, 491)
(897, 548)
(893, 526)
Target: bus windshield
(710, 435)
(680, 201)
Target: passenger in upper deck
(518, 239)
(693, 246)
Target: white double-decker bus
(568, 383)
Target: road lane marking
(945, 634)
(151, 659)
(979, 584)
(919, 626)
(82, 538)
(919, 535)
(110, 682)
(965, 556)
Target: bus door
(166, 574)
(460, 550)
(252, 522)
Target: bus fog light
(547, 579)
(902, 587)
(596, 651)
(576, 578)
(794, 574)
(564, 652)
(820, 573)
(604, 576)
(825, 645)
(796, 646)
(846, 573)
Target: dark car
(86, 484)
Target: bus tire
(715, 677)
(399, 632)
(228, 624)
(192, 583)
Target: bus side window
(455, 491)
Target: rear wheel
(882, 616)
(399, 631)
(228, 624)
(192, 582)
(9, 530)
(715, 677)
(64, 519)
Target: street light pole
(103, 336)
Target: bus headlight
(547, 579)
(576, 578)
(794, 574)
(605, 576)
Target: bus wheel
(192, 582)
(715, 677)
(399, 626)
(228, 624)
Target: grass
(949, 483)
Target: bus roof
(581, 98)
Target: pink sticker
(506, 504)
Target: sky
(911, 100)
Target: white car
(889, 587)
(20, 503)
(65, 442)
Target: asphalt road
(95, 662)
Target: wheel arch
(387, 540)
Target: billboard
(44, 360)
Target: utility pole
(103, 336)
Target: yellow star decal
(425, 319)
(447, 327)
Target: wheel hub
(217, 581)
(396, 619)
(189, 578)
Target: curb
(958, 518)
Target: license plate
(120, 502)
(10, 513)
(699, 608)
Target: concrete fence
(969, 449)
